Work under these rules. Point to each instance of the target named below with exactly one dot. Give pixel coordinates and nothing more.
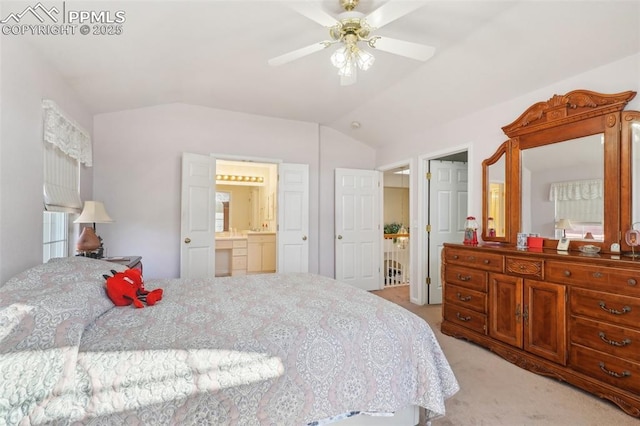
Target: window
(55, 235)
(66, 147)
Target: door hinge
(428, 280)
(428, 228)
(428, 175)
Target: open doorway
(396, 243)
(446, 199)
(286, 207)
(245, 217)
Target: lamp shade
(563, 224)
(93, 212)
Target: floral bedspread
(273, 349)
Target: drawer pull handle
(464, 277)
(463, 298)
(597, 275)
(471, 258)
(613, 373)
(461, 318)
(625, 309)
(631, 281)
(486, 261)
(567, 273)
(603, 337)
(455, 256)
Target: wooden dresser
(569, 316)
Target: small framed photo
(563, 244)
(521, 242)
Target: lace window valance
(66, 134)
(578, 201)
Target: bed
(272, 349)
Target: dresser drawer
(622, 310)
(239, 262)
(577, 273)
(224, 244)
(466, 277)
(240, 243)
(606, 368)
(475, 258)
(526, 267)
(625, 281)
(465, 317)
(471, 299)
(270, 238)
(619, 341)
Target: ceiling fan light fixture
(348, 69)
(364, 59)
(340, 57)
(348, 58)
(352, 28)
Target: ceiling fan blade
(313, 12)
(390, 11)
(420, 52)
(298, 53)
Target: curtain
(578, 201)
(66, 146)
(66, 134)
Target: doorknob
(339, 237)
(187, 240)
(304, 238)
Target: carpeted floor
(495, 392)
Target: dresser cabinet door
(505, 308)
(544, 315)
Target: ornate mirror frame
(503, 152)
(627, 216)
(576, 114)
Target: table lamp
(89, 244)
(564, 224)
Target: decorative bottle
(471, 231)
(491, 227)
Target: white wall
(137, 158)
(483, 129)
(336, 151)
(137, 172)
(26, 80)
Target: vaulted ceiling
(215, 53)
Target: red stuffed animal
(125, 288)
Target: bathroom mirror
(240, 209)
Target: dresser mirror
(494, 193)
(562, 189)
(563, 161)
(630, 206)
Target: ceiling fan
(351, 29)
